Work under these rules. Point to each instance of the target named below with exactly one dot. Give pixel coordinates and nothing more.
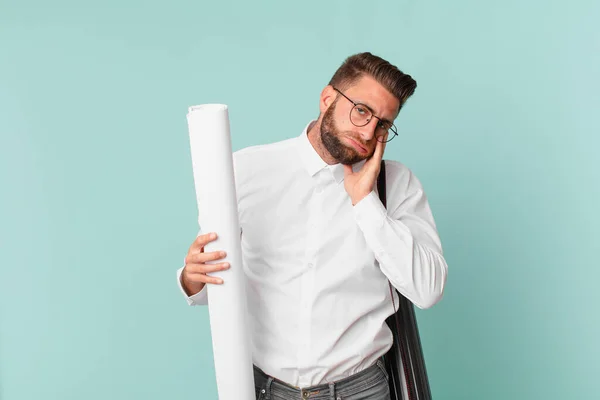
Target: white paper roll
(212, 163)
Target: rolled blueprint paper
(212, 163)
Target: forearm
(417, 271)
(411, 260)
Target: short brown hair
(401, 85)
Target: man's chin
(351, 160)
(342, 152)
(354, 157)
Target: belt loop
(268, 388)
(332, 391)
(381, 366)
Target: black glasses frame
(392, 127)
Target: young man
(319, 247)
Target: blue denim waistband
(374, 377)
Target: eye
(361, 110)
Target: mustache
(357, 139)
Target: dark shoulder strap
(406, 355)
(381, 184)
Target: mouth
(357, 146)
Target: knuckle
(189, 269)
(203, 268)
(190, 259)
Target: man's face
(346, 142)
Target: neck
(314, 137)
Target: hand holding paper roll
(214, 181)
(197, 265)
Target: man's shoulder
(262, 150)
(261, 159)
(396, 167)
(399, 174)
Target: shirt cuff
(198, 299)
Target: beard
(330, 137)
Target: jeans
(369, 384)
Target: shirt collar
(312, 161)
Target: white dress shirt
(317, 267)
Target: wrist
(190, 288)
(357, 198)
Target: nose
(367, 132)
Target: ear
(328, 95)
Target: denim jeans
(369, 384)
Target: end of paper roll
(208, 107)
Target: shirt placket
(307, 281)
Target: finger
(203, 240)
(207, 268)
(373, 163)
(201, 258)
(380, 148)
(197, 277)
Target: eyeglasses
(361, 115)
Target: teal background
(97, 205)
